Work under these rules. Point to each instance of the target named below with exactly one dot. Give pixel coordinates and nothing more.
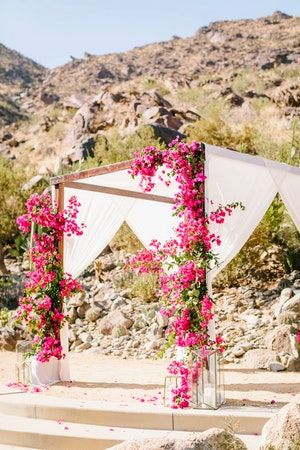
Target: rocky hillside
(18, 75)
(218, 49)
(247, 69)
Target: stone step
(59, 435)
(248, 421)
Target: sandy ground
(96, 377)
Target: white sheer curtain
(102, 215)
(234, 177)
(151, 220)
(289, 189)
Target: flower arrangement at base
(181, 263)
(47, 286)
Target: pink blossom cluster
(180, 395)
(47, 286)
(181, 263)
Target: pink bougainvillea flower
(47, 286)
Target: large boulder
(282, 431)
(212, 439)
(292, 304)
(113, 320)
(281, 340)
(93, 313)
(260, 358)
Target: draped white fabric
(231, 177)
(151, 220)
(102, 215)
(289, 190)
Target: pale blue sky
(49, 31)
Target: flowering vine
(181, 263)
(47, 286)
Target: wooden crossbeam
(88, 173)
(118, 192)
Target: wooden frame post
(60, 201)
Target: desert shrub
(57, 131)
(260, 104)
(54, 112)
(125, 239)
(204, 98)
(215, 131)
(247, 80)
(12, 200)
(150, 83)
(145, 287)
(4, 317)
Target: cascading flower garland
(181, 263)
(41, 308)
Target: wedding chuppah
(109, 196)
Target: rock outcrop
(212, 439)
(282, 431)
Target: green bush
(126, 240)
(248, 80)
(4, 316)
(215, 131)
(150, 83)
(12, 200)
(145, 287)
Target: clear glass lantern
(171, 382)
(207, 380)
(23, 362)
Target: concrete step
(248, 421)
(13, 447)
(59, 435)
